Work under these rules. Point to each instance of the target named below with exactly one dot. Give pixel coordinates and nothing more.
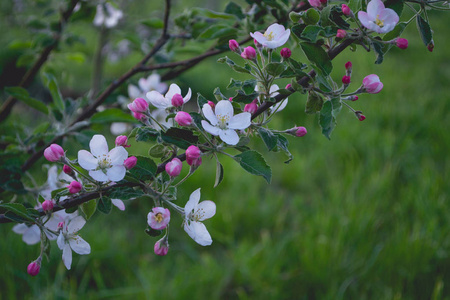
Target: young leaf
(182, 138)
(22, 95)
(104, 205)
(269, 139)
(327, 118)
(253, 162)
(219, 173)
(317, 56)
(275, 68)
(88, 208)
(424, 30)
(145, 169)
(233, 65)
(314, 103)
(145, 134)
(50, 82)
(283, 144)
(201, 100)
(126, 192)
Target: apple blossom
(193, 156)
(173, 168)
(161, 247)
(164, 102)
(118, 203)
(69, 240)
(130, 162)
(139, 105)
(54, 153)
(273, 93)
(102, 165)
(34, 267)
(183, 118)
(109, 18)
(378, 18)
(152, 82)
(194, 214)
(372, 84)
(249, 53)
(275, 36)
(223, 123)
(251, 107)
(158, 218)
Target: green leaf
(336, 18)
(297, 29)
(218, 94)
(233, 65)
(283, 144)
(317, 56)
(424, 30)
(17, 211)
(201, 100)
(269, 139)
(212, 14)
(311, 17)
(157, 151)
(275, 68)
(197, 118)
(219, 174)
(153, 232)
(22, 95)
(379, 49)
(145, 169)
(396, 5)
(153, 23)
(104, 205)
(355, 5)
(396, 32)
(234, 9)
(327, 118)
(218, 31)
(50, 82)
(254, 163)
(25, 60)
(88, 209)
(314, 103)
(126, 192)
(145, 134)
(182, 138)
(112, 115)
(242, 97)
(311, 32)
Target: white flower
(152, 83)
(30, 234)
(102, 165)
(160, 101)
(273, 93)
(69, 240)
(110, 19)
(378, 18)
(194, 213)
(223, 123)
(118, 203)
(275, 36)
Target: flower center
(223, 121)
(379, 22)
(104, 162)
(269, 36)
(159, 217)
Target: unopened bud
(300, 131)
(74, 187)
(34, 267)
(193, 156)
(138, 116)
(173, 168)
(183, 118)
(210, 103)
(130, 162)
(251, 107)
(341, 33)
(360, 116)
(161, 247)
(346, 80)
(249, 53)
(139, 105)
(285, 53)
(234, 45)
(47, 205)
(177, 100)
(54, 153)
(122, 140)
(346, 10)
(288, 86)
(430, 46)
(401, 43)
(68, 170)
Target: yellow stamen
(269, 36)
(379, 22)
(159, 218)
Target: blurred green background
(363, 216)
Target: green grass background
(363, 216)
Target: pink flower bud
(401, 43)
(348, 65)
(34, 267)
(300, 131)
(210, 103)
(47, 205)
(285, 53)
(67, 170)
(177, 100)
(341, 33)
(122, 140)
(139, 105)
(183, 118)
(346, 80)
(430, 46)
(54, 153)
(230, 99)
(233, 44)
(161, 247)
(173, 168)
(74, 187)
(351, 98)
(193, 156)
(346, 10)
(288, 86)
(251, 107)
(158, 218)
(372, 84)
(138, 116)
(360, 116)
(314, 3)
(60, 225)
(249, 53)
(130, 162)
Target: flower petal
(374, 8)
(194, 198)
(198, 232)
(188, 96)
(210, 129)
(240, 121)
(209, 114)
(173, 89)
(20, 228)
(99, 175)
(32, 235)
(67, 256)
(79, 245)
(259, 37)
(61, 241)
(116, 173)
(118, 155)
(118, 203)
(134, 92)
(158, 100)
(86, 160)
(229, 136)
(279, 106)
(75, 224)
(206, 209)
(366, 20)
(98, 145)
(224, 109)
